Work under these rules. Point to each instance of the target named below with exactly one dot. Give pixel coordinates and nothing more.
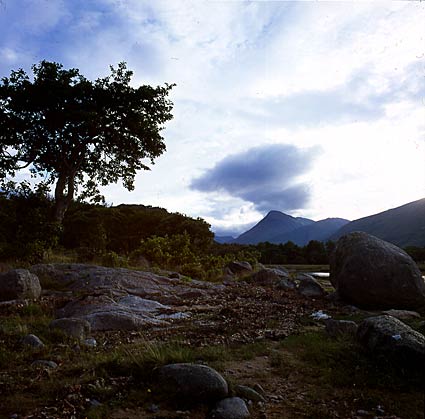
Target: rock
(269, 276)
(19, 284)
(388, 337)
(192, 383)
(129, 312)
(118, 282)
(230, 408)
(41, 363)
(286, 284)
(402, 314)
(73, 327)
(259, 389)
(248, 393)
(336, 328)
(370, 272)
(32, 340)
(309, 287)
(90, 342)
(239, 268)
(303, 276)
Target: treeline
(135, 235)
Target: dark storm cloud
(266, 176)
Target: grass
(332, 367)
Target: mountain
(320, 230)
(273, 224)
(403, 226)
(224, 239)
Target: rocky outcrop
(121, 299)
(128, 312)
(19, 284)
(369, 272)
(192, 383)
(393, 340)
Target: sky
(316, 109)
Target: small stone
(153, 408)
(42, 363)
(91, 342)
(361, 412)
(259, 389)
(248, 393)
(95, 403)
(32, 340)
(230, 408)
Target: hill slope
(403, 226)
(320, 230)
(273, 224)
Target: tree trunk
(62, 200)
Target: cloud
(267, 176)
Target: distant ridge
(320, 230)
(402, 226)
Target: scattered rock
(310, 288)
(42, 363)
(230, 408)
(73, 327)
(192, 383)
(19, 284)
(370, 272)
(248, 393)
(336, 328)
(388, 337)
(32, 340)
(402, 314)
(239, 268)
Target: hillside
(320, 230)
(273, 224)
(403, 226)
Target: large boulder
(192, 383)
(391, 339)
(19, 284)
(369, 272)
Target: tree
(78, 133)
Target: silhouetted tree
(79, 133)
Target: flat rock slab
(122, 299)
(120, 281)
(128, 312)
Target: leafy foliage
(79, 133)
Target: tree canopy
(79, 134)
